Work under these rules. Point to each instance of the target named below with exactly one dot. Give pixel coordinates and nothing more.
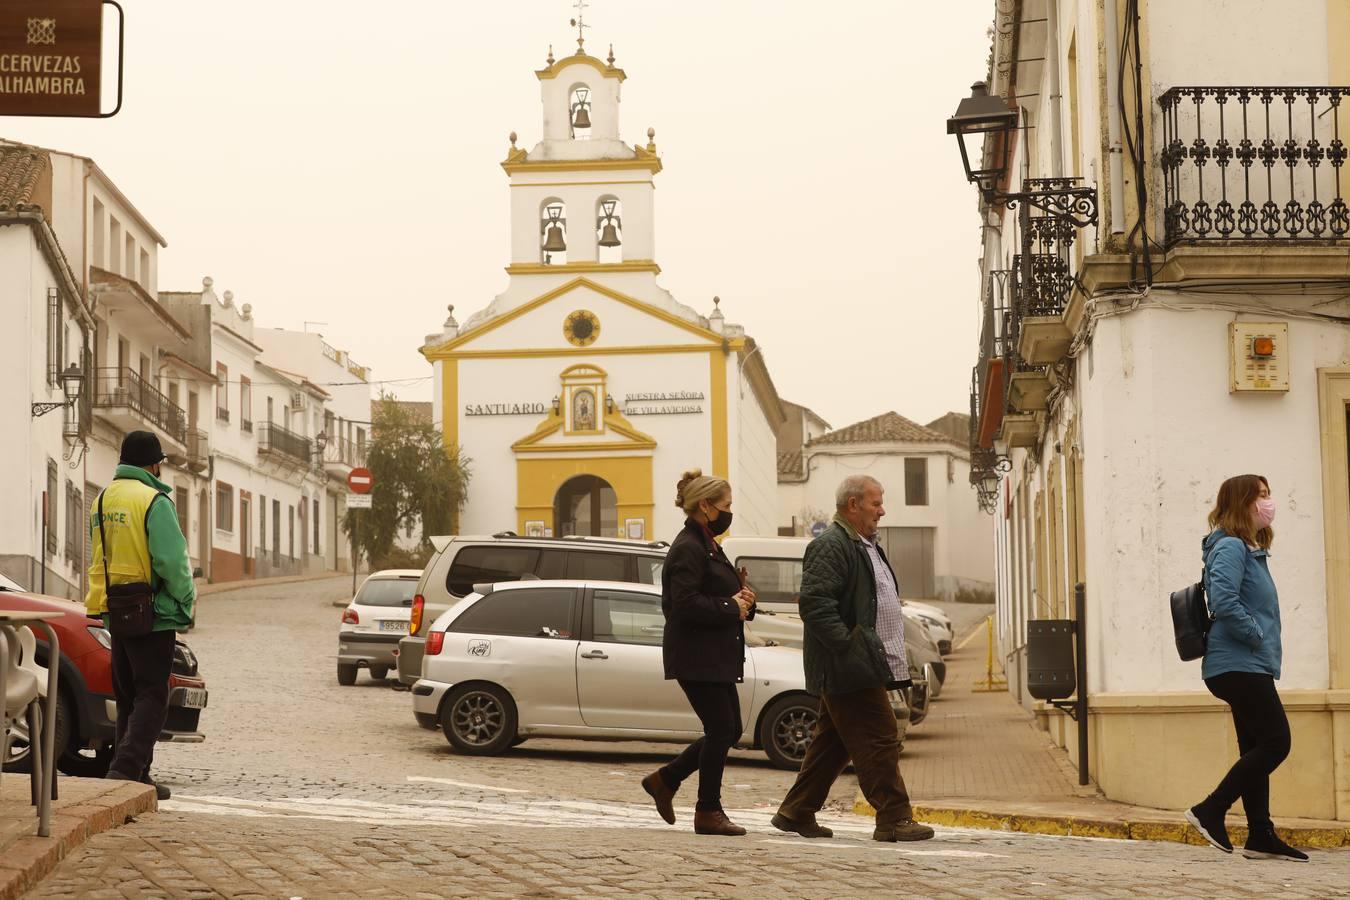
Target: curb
(224, 587)
(1120, 829)
(31, 858)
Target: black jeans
(140, 670)
(1263, 741)
(718, 707)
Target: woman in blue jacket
(1242, 661)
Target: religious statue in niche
(583, 410)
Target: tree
(417, 480)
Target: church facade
(584, 389)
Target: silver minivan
(463, 561)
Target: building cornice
(628, 265)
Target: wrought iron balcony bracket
(41, 409)
(1059, 198)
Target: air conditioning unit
(298, 399)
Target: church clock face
(581, 328)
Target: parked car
(86, 712)
(582, 659)
(938, 622)
(373, 623)
(462, 562)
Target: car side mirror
(197, 572)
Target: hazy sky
(337, 161)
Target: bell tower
(581, 199)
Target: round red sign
(359, 481)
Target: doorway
(245, 543)
(910, 551)
(586, 505)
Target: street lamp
(977, 117)
(321, 442)
(72, 384)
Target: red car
(86, 711)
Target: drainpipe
(1115, 152)
(1056, 99)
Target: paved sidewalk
(978, 761)
(205, 589)
(86, 807)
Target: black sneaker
(1211, 828)
(1264, 843)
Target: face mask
(721, 523)
(1265, 512)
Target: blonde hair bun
(694, 487)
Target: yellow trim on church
(518, 163)
(583, 58)
(628, 265)
(717, 410)
(538, 482)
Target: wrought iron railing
(198, 447)
(273, 438)
(344, 452)
(121, 387)
(1253, 163)
(1045, 268)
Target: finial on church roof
(579, 23)
(651, 140)
(717, 321)
(610, 60)
(451, 328)
(550, 54)
(513, 140)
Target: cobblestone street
(307, 789)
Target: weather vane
(579, 24)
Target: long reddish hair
(1233, 510)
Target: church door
(586, 505)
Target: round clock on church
(581, 328)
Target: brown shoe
(655, 785)
(807, 829)
(904, 830)
(714, 821)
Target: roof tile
(21, 169)
(887, 427)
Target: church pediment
(579, 315)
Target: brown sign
(50, 53)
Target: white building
(932, 533)
(43, 299)
(582, 391)
(1198, 329)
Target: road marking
(468, 784)
(956, 854)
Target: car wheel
(20, 758)
(87, 762)
(786, 729)
(479, 719)
(346, 674)
(379, 672)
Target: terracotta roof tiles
(21, 170)
(889, 427)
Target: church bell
(553, 240)
(583, 118)
(609, 236)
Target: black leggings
(718, 707)
(1263, 740)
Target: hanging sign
(50, 57)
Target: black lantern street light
(977, 117)
(72, 385)
(321, 443)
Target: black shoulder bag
(131, 607)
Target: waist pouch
(131, 610)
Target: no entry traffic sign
(359, 481)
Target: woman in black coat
(705, 601)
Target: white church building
(583, 390)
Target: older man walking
(854, 652)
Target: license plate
(388, 625)
(193, 698)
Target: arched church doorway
(586, 505)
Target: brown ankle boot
(655, 785)
(714, 821)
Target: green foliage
(398, 558)
(418, 481)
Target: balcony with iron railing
(198, 449)
(283, 445)
(131, 403)
(341, 455)
(1253, 164)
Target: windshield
(387, 592)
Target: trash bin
(1050, 659)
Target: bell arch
(553, 232)
(609, 229)
(579, 112)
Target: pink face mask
(1265, 512)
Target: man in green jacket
(144, 544)
(853, 652)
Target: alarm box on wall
(1258, 357)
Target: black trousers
(140, 670)
(718, 707)
(1263, 741)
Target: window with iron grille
(51, 507)
(56, 336)
(224, 506)
(916, 481)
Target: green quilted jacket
(841, 650)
